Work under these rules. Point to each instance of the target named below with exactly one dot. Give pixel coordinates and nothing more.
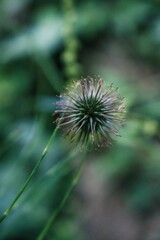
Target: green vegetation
(44, 45)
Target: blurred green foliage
(43, 45)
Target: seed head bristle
(91, 113)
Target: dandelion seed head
(91, 112)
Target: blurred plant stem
(55, 213)
(49, 69)
(72, 68)
(5, 214)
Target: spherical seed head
(89, 112)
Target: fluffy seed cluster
(90, 112)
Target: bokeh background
(43, 46)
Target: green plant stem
(5, 214)
(62, 203)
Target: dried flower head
(91, 113)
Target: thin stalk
(62, 203)
(5, 214)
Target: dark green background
(43, 45)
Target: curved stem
(5, 214)
(62, 203)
